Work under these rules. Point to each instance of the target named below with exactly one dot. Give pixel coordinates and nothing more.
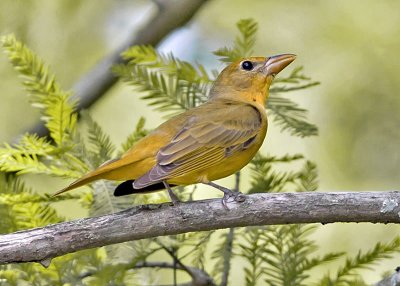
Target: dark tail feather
(126, 188)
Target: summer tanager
(205, 143)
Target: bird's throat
(256, 97)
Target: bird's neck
(254, 97)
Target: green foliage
(223, 255)
(244, 42)
(274, 255)
(169, 83)
(287, 256)
(281, 255)
(347, 273)
(100, 147)
(287, 113)
(21, 208)
(39, 155)
(56, 106)
(252, 252)
(135, 136)
(265, 179)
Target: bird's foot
(232, 197)
(229, 195)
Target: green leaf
(20, 208)
(265, 179)
(244, 42)
(308, 178)
(346, 274)
(287, 113)
(170, 84)
(287, 249)
(101, 148)
(34, 155)
(104, 202)
(223, 254)
(290, 116)
(135, 136)
(251, 250)
(56, 106)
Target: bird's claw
(232, 197)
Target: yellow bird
(205, 143)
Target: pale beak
(275, 64)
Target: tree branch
(171, 15)
(43, 244)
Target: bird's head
(250, 77)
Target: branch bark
(171, 15)
(43, 244)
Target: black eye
(247, 65)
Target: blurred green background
(350, 46)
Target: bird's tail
(113, 170)
(86, 179)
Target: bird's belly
(230, 166)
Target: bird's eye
(247, 65)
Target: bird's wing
(208, 137)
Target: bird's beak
(275, 64)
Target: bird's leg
(237, 196)
(171, 194)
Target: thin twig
(227, 257)
(229, 242)
(199, 277)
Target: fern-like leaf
(171, 84)
(100, 146)
(104, 202)
(252, 251)
(265, 179)
(56, 105)
(223, 255)
(244, 42)
(33, 155)
(135, 136)
(287, 249)
(290, 116)
(345, 274)
(308, 178)
(20, 208)
(287, 113)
